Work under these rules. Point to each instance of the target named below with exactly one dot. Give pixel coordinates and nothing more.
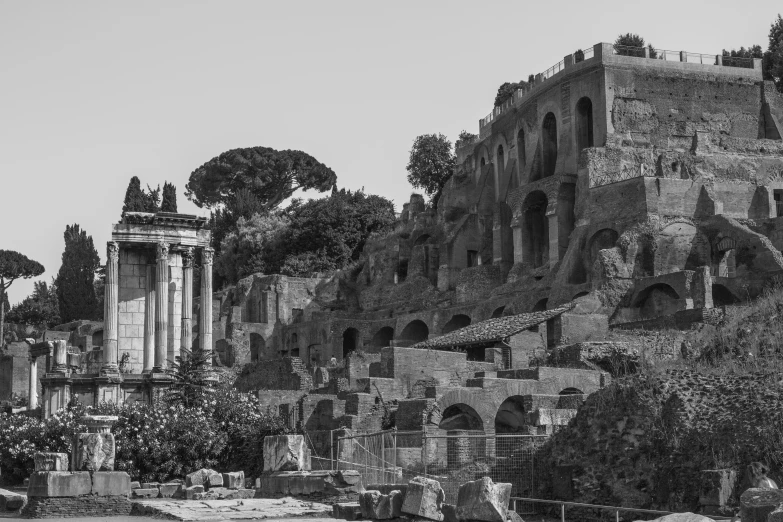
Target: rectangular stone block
(93, 452)
(756, 504)
(483, 500)
(424, 498)
(234, 480)
(110, 483)
(192, 491)
(146, 493)
(285, 453)
(59, 484)
(169, 490)
(239, 494)
(50, 461)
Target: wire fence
(453, 458)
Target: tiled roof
(492, 330)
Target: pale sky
(92, 93)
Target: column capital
(207, 256)
(162, 250)
(112, 251)
(187, 257)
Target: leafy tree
(152, 200)
(169, 203)
(270, 175)
(430, 164)
(76, 278)
(531, 78)
(134, 197)
(465, 137)
(773, 58)
(630, 44)
(257, 245)
(40, 307)
(13, 266)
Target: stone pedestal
(94, 451)
(286, 453)
(50, 461)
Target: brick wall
(287, 373)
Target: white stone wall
(133, 284)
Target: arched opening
(97, 338)
(570, 399)
(582, 271)
(483, 161)
(566, 219)
(257, 345)
(415, 331)
(657, 300)
(461, 417)
(580, 294)
(584, 124)
(536, 240)
(498, 312)
(521, 154)
(540, 306)
(294, 339)
(548, 145)
(500, 160)
(350, 341)
(722, 296)
(382, 337)
(510, 417)
(422, 239)
(455, 323)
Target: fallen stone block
(424, 498)
(396, 499)
(378, 506)
(146, 493)
(206, 495)
(347, 511)
(234, 480)
(483, 500)
(169, 490)
(110, 483)
(285, 453)
(756, 504)
(240, 494)
(514, 517)
(93, 452)
(204, 477)
(150, 485)
(10, 501)
(368, 503)
(59, 484)
(135, 484)
(191, 491)
(45, 461)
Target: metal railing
(738, 61)
(616, 509)
(556, 68)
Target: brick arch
(485, 409)
(402, 322)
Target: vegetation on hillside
(13, 266)
(430, 164)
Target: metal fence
(453, 458)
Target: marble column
(161, 308)
(149, 320)
(32, 393)
(186, 342)
(111, 309)
(205, 310)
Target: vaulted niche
(584, 124)
(548, 145)
(535, 242)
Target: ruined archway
(535, 241)
(461, 417)
(422, 239)
(500, 161)
(455, 323)
(521, 153)
(350, 341)
(584, 124)
(511, 417)
(498, 312)
(415, 331)
(548, 145)
(540, 306)
(382, 337)
(657, 300)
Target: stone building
(633, 187)
(148, 316)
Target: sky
(93, 93)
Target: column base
(110, 369)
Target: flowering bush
(153, 442)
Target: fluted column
(149, 320)
(32, 393)
(161, 307)
(111, 309)
(187, 300)
(205, 315)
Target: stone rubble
(424, 498)
(483, 500)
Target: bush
(153, 442)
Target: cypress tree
(169, 203)
(75, 280)
(134, 197)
